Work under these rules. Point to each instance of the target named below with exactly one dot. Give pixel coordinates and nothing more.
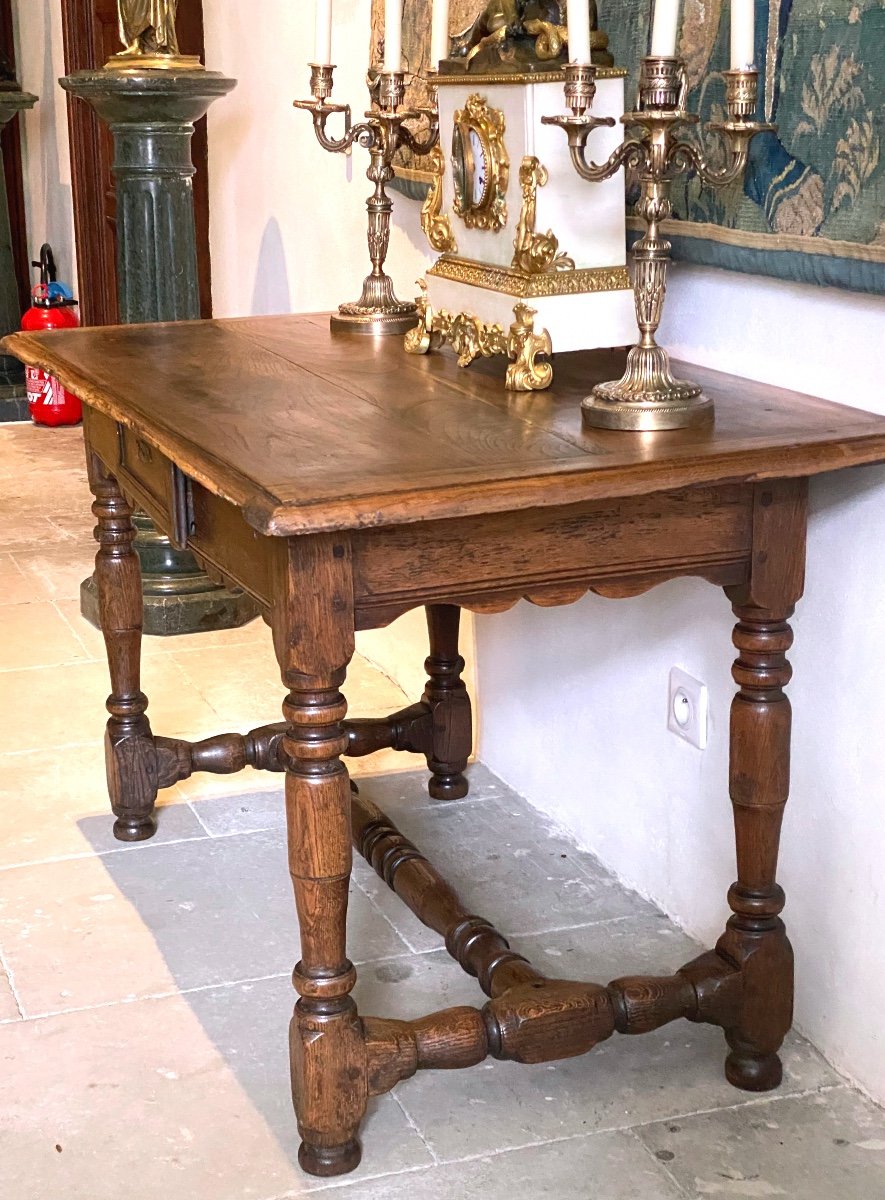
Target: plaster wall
(45, 152)
(288, 219)
(574, 700)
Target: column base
(14, 403)
(170, 615)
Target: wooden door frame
(11, 143)
(96, 258)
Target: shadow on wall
(271, 292)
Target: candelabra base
(647, 398)
(350, 318)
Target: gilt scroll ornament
(472, 338)
(535, 253)
(436, 224)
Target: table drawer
(144, 472)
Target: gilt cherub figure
(522, 34)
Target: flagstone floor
(145, 990)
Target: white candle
(579, 31)
(439, 33)
(743, 52)
(663, 30)
(323, 38)
(393, 35)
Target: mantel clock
(522, 269)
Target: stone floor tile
(18, 534)
(182, 915)
(52, 708)
(243, 685)
(15, 586)
(66, 705)
(36, 635)
(258, 802)
(521, 882)
(55, 572)
(161, 1100)
(623, 1082)
(815, 1148)
(8, 1007)
(45, 797)
(603, 1167)
(407, 791)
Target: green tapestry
(812, 205)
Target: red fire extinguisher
(52, 308)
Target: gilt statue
(522, 35)
(149, 37)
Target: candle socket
(741, 93)
(580, 86)
(663, 85)
(391, 90)
(321, 75)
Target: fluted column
(151, 115)
(13, 399)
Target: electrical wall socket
(687, 708)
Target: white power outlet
(687, 708)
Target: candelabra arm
(420, 148)
(683, 156)
(363, 134)
(631, 153)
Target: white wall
(45, 155)
(574, 700)
(288, 219)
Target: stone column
(13, 398)
(151, 115)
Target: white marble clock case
(588, 219)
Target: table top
(306, 430)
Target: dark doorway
(90, 38)
(10, 140)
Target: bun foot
(448, 787)
(754, 1074)
(135, 829)
(325, 1161)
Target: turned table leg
(129, 746)
(759, 783)
(755, 939)
(313, 636)
(446, 694)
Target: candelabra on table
(382, 133)
(648, 397)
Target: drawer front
(143, 472)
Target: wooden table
(341, 483)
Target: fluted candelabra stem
(382, 133)
(648, 397)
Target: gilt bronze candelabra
(383, 132)
(649, 397)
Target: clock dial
(459, 165)
(480, 163)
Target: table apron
(553, 555)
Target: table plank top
(306, 430)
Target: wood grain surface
(309, 431)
